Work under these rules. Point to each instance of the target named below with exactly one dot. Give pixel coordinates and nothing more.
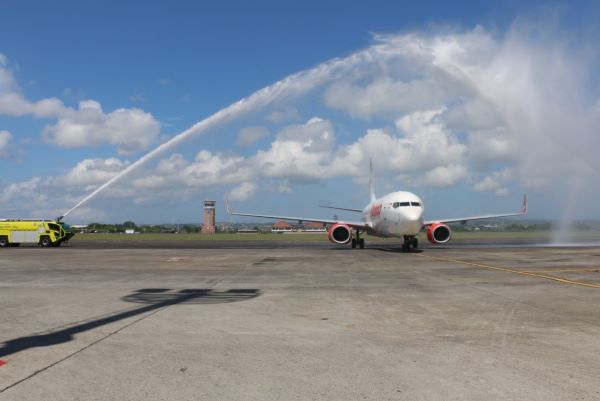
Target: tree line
(130, 225)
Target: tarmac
(299, 321)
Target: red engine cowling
(439, 233)
(340, 233)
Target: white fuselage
(396, 214)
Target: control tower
(209, 217)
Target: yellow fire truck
(43, 232)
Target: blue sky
(86, 88)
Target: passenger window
(415, 203)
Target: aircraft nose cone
(414, 219)
(415, 214)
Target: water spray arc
(290, 86)
(514, 108)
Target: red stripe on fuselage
(375, 210)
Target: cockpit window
(396, 205)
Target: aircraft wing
(354, 224)
(480, 217)
(348, 209)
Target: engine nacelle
(340, 233)
(439, 233)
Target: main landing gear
(410, 241)
(358, 241)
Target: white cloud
(386, 97)
(91, 172)
(492, 146)
(421, 144)
(130, 130)
(299, 152)
(284, 115)
(443, 176)
(177, 177)
(495, 182)
(5, 138)
(487, 184)
(213, 169)
(243, 191)
(249, 135)
(18, 189)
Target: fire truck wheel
(3, 242)
(45, 241)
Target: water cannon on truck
(14, 232)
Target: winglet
(371, 184)
(524, 207)
(227, 207)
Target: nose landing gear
(410, 241)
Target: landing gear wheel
(353, 243)
(45, 242)
(361, 243)
(3, 242)
(409, 242)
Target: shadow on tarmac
(190, 296)
(397, 250)
(155, 298)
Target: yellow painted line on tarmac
(562, 271)
(519, 272)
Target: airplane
(397, 214)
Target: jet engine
(438, 233)
(340, 233)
